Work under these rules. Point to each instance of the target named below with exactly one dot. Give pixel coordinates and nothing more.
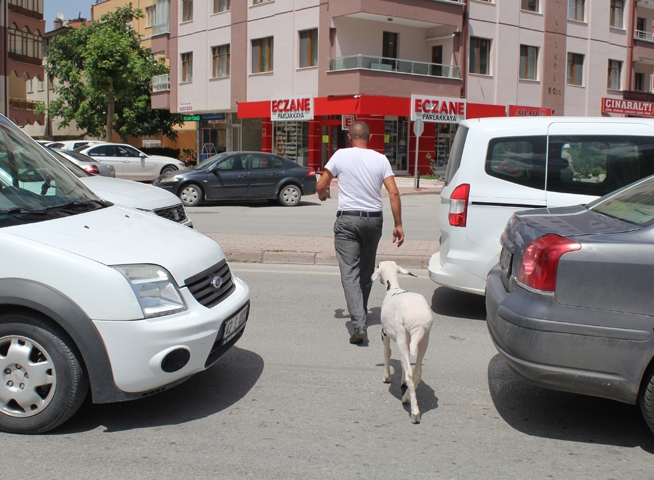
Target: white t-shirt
(361, 173)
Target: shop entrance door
(333, 138)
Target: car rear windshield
(456, 153)
(633, 204)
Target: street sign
(418, 127)
(191, 118)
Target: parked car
(241, 175)
(87, 163)
(72, 144)
(570, 303)
(130, 163)
(501, 165)
(98, 297)
(143, 197)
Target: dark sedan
(241, 176)
(570, 304)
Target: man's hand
(398, 236)
(323, 185)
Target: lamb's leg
(387, 357)
(410, 394)
(419, 347)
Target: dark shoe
(359, 335)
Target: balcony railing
(160, 29)
(161, 83)
(23, 104)
(409, 67)
(641, 35)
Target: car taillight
(459, 205)
(312, 173)
(541, 261)
(92, 169)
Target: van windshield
(35, 187)
(456, 153)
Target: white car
(71, 144)
(132, 194)
(130, 163)
(498, 166)
(98, 298)
(86, 163)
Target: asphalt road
(294, 399)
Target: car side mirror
(142, 155)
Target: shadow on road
(427, 399)
(203, 395)
(565, 416)
(453, 303)
(254, 204)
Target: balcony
(161, 83)
(160, 29)
(23, 104)
(641, 35)
(407, 67)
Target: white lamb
(406, 318)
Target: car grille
(208, 289)
(175, 213)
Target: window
(221, 5)
(102, 151)
(528, 62)
(479, 55)
(262, 55)
(150, 15)
(639, 82)
(220, 64)
(576, 10)
(187, 10)
(575, 69)
(40, 85)
(615, 68)
(389, 47)
(531, 5)
(256, 2)
(187, 67)
(25, 43)
(617, 9)
(30, 87)
(519, 160)
(309, 48)
(640, 24)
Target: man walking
(358, 228)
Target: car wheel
(168, 169)
(647, 400)
(191, 195)
(289, 195)
(43, 382)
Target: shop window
(530, 5)
(615, 69)
(396, 131)
(262, 55)
(617, 10)
(309, 48)
(479, 55)
(221, 5)
(519, 160)
(292, 141)
(528, 62)
(187, 10)
(575, 69)
(220, 64)
(187, 67)
(576, 10)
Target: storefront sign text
(518, 111)
(191, 118)
(627, 107)
(291, 109)
(437, 110)
(185, 107)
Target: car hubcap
(28, 377)
(291, 195)
(190, 195)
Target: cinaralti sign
(437, 109)
(291, 109)
(627, 107)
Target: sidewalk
(308, 250)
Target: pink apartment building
(290, 75)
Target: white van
(96, 296)
(501, 165)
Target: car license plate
(505, 262)
(234, 324)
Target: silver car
(87, 163)
(570, 304)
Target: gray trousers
(355, 241)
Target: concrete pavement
(311, 250)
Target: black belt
(357, 213)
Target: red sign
(627, 107)
(518, 111)
(434, 109)
(291, 109)
(346, 121)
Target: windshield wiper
(77, 205)
(21, 211)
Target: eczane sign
(437, 109)
(291, 109)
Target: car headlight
(154, 289)
(167, 180)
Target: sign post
(418, 128)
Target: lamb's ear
(405, 271)
(376, 274)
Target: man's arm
(396, 208)
(323, 184)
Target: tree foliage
(104, 79)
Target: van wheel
(42, 380)
(289, 196)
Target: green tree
(105, 79)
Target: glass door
(333, 138)
(396, 137)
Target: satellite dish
(60, 15)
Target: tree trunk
(110, 113)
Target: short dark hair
(360, 130)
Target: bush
(163, 151)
